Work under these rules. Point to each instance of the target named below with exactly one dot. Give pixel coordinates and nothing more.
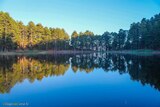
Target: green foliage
(145, 34)
(15, 35)
(8, 32)
(141, 35)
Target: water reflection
(15, 69)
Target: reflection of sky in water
(97, 88)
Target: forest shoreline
(43, 52)
(14, 35)
(62, 52)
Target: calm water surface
(85, 80)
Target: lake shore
(143, 51)
(43, 52)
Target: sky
(81, 15)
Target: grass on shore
(143, 52)
(36, 52)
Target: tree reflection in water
(15, 69)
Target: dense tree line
(141, 35)
(15, 35)
(104, 42)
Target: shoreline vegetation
(16, 38)
(61, 52)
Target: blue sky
(95, 15)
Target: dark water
(85, 80)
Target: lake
(82, 80)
